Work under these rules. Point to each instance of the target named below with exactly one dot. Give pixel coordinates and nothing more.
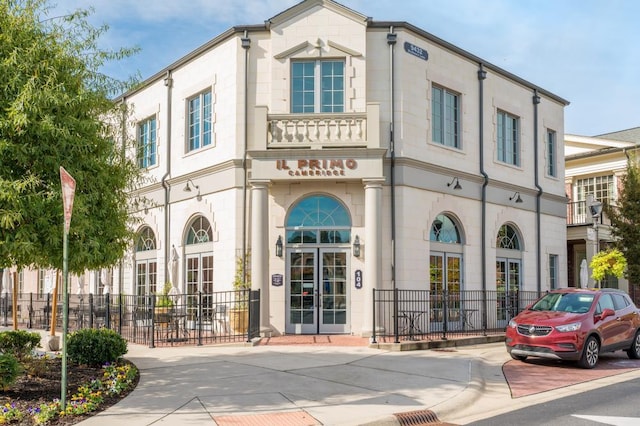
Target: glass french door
(199, 278)
(445, 270)
(146, 280)
(317, 291)
(507, 286)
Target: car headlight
(575, 326)
(513, 323)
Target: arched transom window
(318, 219)
(199, 231)
(146, 240)
(508, 238)
(444, 230)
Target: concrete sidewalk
(303, 385)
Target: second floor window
(317, 86)
(508, 139)
(445, 117)
(601, 187)
(200, 121)
(551, 153)
(147, 143)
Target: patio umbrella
(80, 285)
(173, 275)
(584, 273)
(104, 275)
(173, 268)
(5, 285)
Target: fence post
(396, 331)
(373, 332)
(152, 342)
(445, 313)
(199, 319)
(107, 310)
(90, 310)
(30, 310)
(485, 313)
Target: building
(594, 167)
(345, 155)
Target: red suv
(576, 324)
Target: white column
(372, 248)
(260, 249)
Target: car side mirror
(608, 312)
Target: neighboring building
(593, 170)
(331, 146)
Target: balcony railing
(317, 130)
(578, 214)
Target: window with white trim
(552, 153)
(147, 146)
(553, 271)
(508, 138)
(445, 117)
(200, 121)
(317, 86)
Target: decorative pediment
(317, 49)
(307, 5)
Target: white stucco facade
(394, 186)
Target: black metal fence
(426, 315)
(192, 319)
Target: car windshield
(564, 302)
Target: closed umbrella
(584, 273)
(5, 286)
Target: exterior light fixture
(187, 188)
(457, 186)
(516, 196)
(595, 209)
(356, 247)
(279, 246)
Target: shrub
(95, 347)
(9, 370)
(19, 343)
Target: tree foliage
(56, 110)
(625, 217)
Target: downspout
(536, 102)
(168, 82)
(391, 41)
(123, 136)
(246, 44)
(482, 75)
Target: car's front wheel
(634, 350)
(590, 353)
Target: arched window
(199, 268)
(508, 238)
(146, 263)
(318, 219)
(445, 270)
(508, 272)
(199, 231)
(444, 230)
(146, 240)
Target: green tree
(56, 110)
(625, 217)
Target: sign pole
(68, 191)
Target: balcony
(578, 214)
(318, 131)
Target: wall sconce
(356, 247)
(279, 246)
(457, 186)
(187, 188)
(516, 196)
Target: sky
(585, 51)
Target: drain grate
(418, 418)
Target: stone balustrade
(317, 130)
